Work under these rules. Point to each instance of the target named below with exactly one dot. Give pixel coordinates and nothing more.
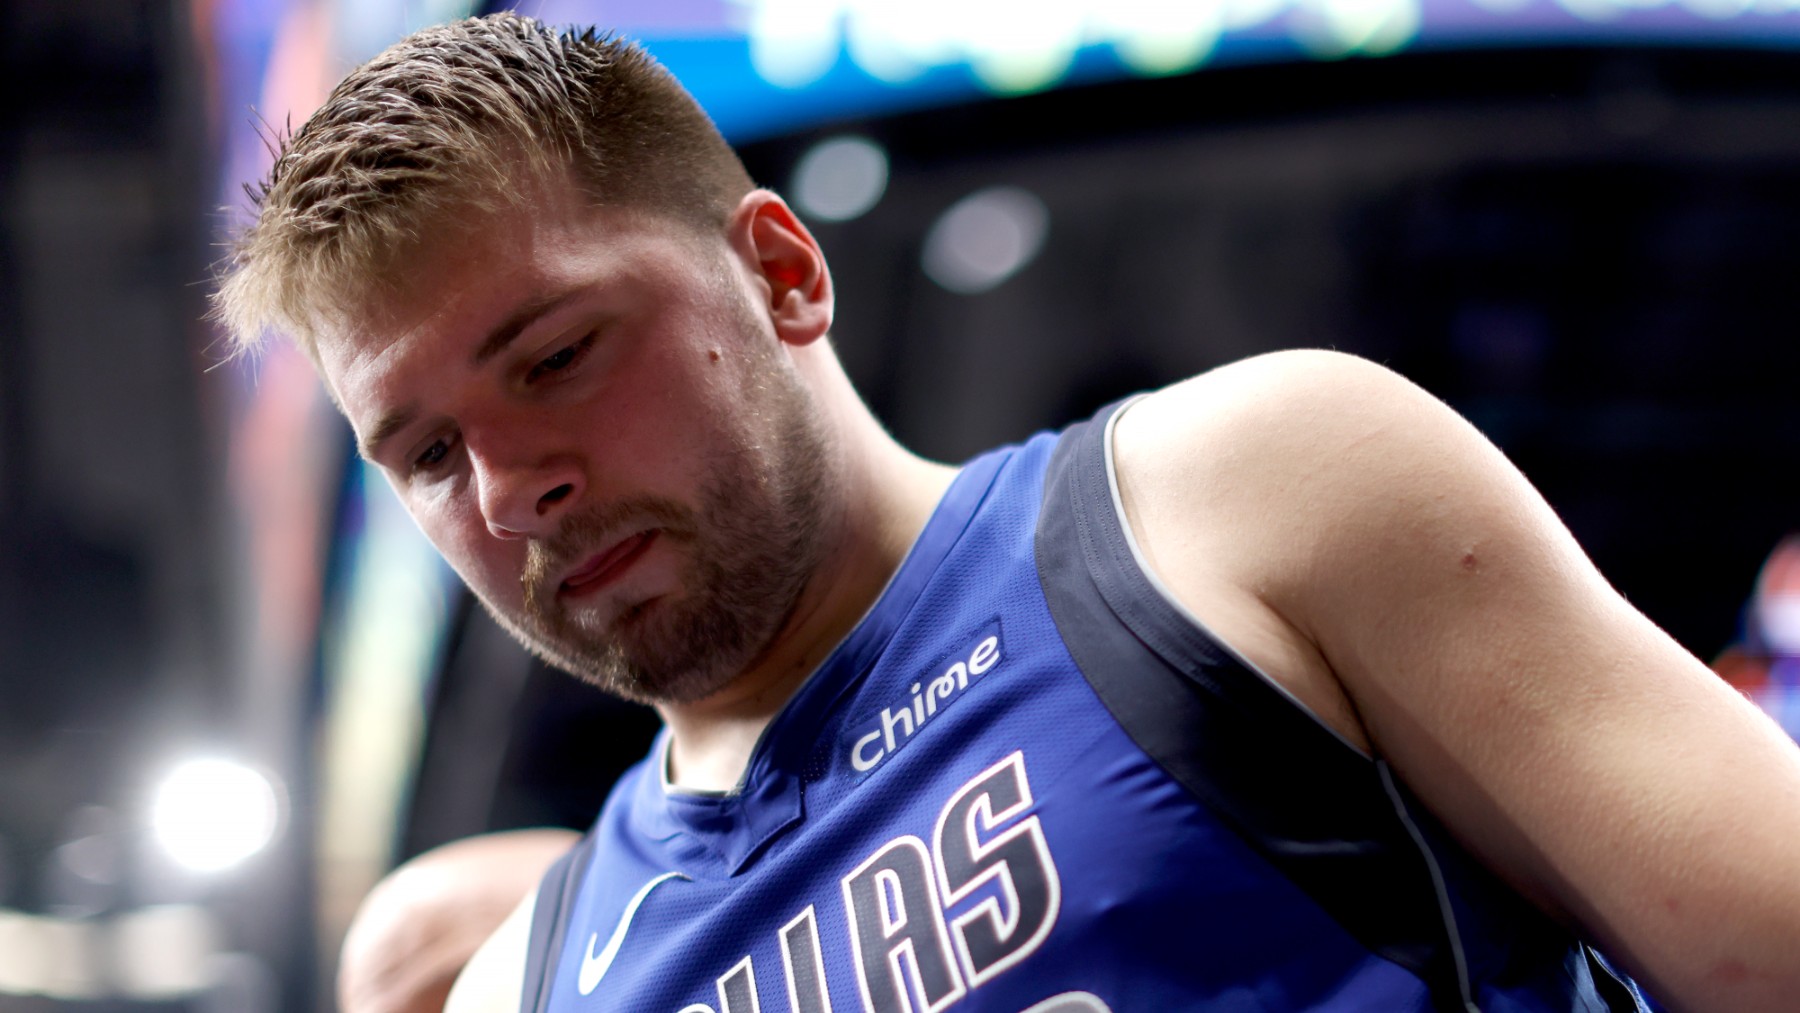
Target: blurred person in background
(1277, 687)
(1764, 664)
(423, 921)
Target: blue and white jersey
(1030, 782)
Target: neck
(889, 495)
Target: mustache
(595, 527)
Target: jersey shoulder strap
(550, 922)
(1334, 820)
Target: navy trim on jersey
(550, 921)
(1307, 801)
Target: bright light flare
(793, 43)
(211, 814)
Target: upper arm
(1565, 739)
(494, 979)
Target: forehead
(467, 277)
(456, 275)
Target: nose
(525, 499)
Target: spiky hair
(452, 122)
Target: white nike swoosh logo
(594, 966)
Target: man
(1277, 689)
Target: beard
(750, 545)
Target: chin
(650, 653)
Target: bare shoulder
(1335, 513)
(1280, 416)
(1306, 478)
(494, 979)
(1237, 482)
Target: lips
(606, 567)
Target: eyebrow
(496, 342)
(515, 325)
(384, 430)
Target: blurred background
(236, 688)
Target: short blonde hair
(461, 118)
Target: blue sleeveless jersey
(1029, 781)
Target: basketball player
(1277, 689)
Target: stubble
(749, 547)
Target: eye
(432, 456)
(560, 360)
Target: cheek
(487, 564)
(663, 404)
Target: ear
(786, 265)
